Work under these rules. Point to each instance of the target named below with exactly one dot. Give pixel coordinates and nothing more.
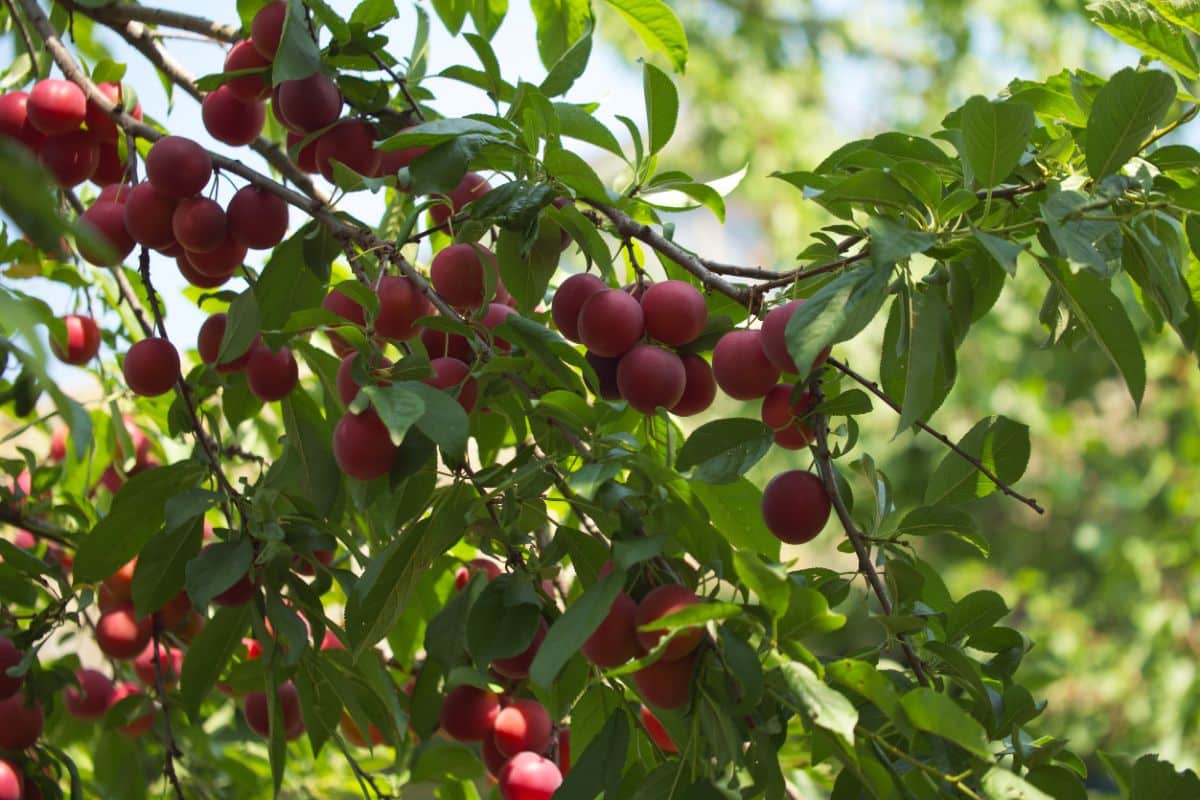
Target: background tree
(387, 527)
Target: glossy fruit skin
(197, 278)
(71, 158)
(351, 142)
(309, 104)
(472, 187)
(100, 124)
(140, 725)
(781, 415)
(569, 299)
(667, 684)
(452, 374)
(493, 759)
(119, 585)
(795, 506)
(249, 88)
(22, 724)
(230, 119)
(457, 274)
(528, 776)
(14, 121)
(107, 220)
(441, 344)
(178, 167)
(392, 161)
(401, 304)
(362, 447)
(148, 214)
(170, 664)
(110, 168)
(121, 634)
(257, 218)
(650, 377)
(611, 323)
(517, 667)
(347, 309)
(699, 386)
(272, 375)
(741, 367)
(11, 781)
(675, 312)
(258, 715)
(114, 192)
(306, 156)
(151, 367)
(208, 343)
(657, 733)
(774, 338)
(495, 315)
(522, 725)
(239, 594)
(346, 385)
(91, 698)
(220, 262)
(83, 340)
(664, 600)
(199, 224)
(606, 374)
(615, 641)
(266, 29)
(9, 657)
(468, 713)
(56, 106)
(462, 576)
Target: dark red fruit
(774, 338)
(606, 374)
(99, 122)
(197, 278)
(266, 29)
(71, 158)
(740, 366)
(522, 725)
(151, 367)
(222, 261)
(493, 759)
(107, 221)
(517, 667)
(440, 344)
(352, 142)
(148, 214)
(239, 594)
(362, 446)
(496, 314)
(110, 168)
(22, 723)
(450, 373)
(781, 415)
(309, 104)
(663, 601)
(83, 340)
(170, 664)
(348, 310)
(529, 776)
(469, 713)
(392, 161)
(616, 640)
(258, 715)
(121, 634)
(141, 724)
(658, 734)
(650, 378)
(306, 156)
(271, 374)
(14, 121)
(10, 656)
(699, 388)
(249, 88)
(795, 506)
(401, 304)
(469, 189)
(346, 386)
(569, 299)
(611, 323)
(667, 684)
(208, 342)
(56, 106)
(199, 224)
(457, 274)
(91, 698)
(462, 576)
(230, 119)
(675, 312)
(178, 167)
(257, 218)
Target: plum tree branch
(169, 743)
(26, 39)
(875, 389)
(119, 14)
(12, 515)
(857, 539)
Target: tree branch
(169, 743)
(13, 515)
(874, 389)
(119, 14)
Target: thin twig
(19, 24)
(169, 744)
(119, 14)
(874, 389)
(857, 539)
(13, 515)
(401, 82)
(954, 780)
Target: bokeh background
(1107, 582)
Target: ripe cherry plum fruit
(795, 506)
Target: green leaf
(560, 24)
(824, 706)
(894, 240)
(1095, 244)
(693, 616)
(487, 16)
(1181, 12)
(994, 135)
(575, 173)
(1061, 783)
(1157, 779)
(451, 13)
(931, 364)
(397, 407)
(1137, 25)
(218, 567)
(974, 613)
(929, 520)
(444, 421)
(769, 583)
(662, 106)
(1097, 309)
(936, 713)
(577, 123)
(568, 68)
(526, 274)
(161, 568)
(381, 595)
(503, 621)
(736, 511)
(867, 681)
(838, 311)
(724, 450)
(657, 26)
(309, 441)
(298, 56)
(999, 444)
(370, 14)
(210, 652)
(602, 763)
(569, 632)
(285, 285)
(136, 515)
(1002, 251)
(241, 327)
(1123, 115)
(437, 131)
(1000, 784)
